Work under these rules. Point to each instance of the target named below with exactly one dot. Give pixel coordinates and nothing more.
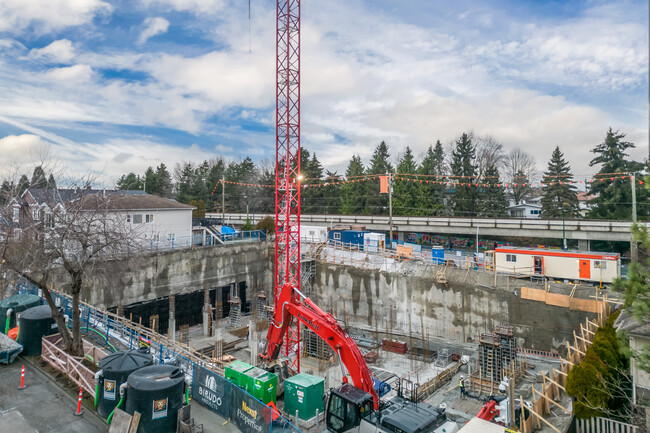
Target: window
(49, 220)
(149, 218)
(598, 264)
(36, 214)
(534, 212)
(137, 218)
(512, 258)
(337, 236)
(16, 214)
(128, 217)
(171, 237)
(156, 238)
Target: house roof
(584, 196)
(110, 199)
(627, 322)
(525, 205)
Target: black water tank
(35, 323)
(157, 393)
(18, 303)
(116, 368)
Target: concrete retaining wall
(458, 312)
(178, 272)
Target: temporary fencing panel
(248, 414)
(212, 391)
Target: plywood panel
(558, 300)
(533, 294)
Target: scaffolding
(497, 357)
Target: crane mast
(287, 161)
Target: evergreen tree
(614, 197)
(560, 198)
(217, 170)
(406, 192)
(184, 175)
(520, 186)
(493, 202)
(463, 169)
(38, 178)
(163, 181)
(332, 192)
(353, 194)
(23, 185)
(238, 197)
(129, 182)
(6, 192)
(312, 173)
(636, 287)
(51, 183)
(432, 192)
(198, 185)
(150, 181)
(376, 203)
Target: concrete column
(206, 312)
(584, 245)
(252, 341)
(400, 236)
(172, 317)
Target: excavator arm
(294, 305)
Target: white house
(639, 338)
(159, 222)
(524, 210)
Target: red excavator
(350, 408)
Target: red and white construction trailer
(593, 266)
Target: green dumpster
(248, 379)
(304, 393)
(235, 371)
(265, 387)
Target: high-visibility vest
(461, 383)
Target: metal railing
(130, 335)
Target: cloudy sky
(119, 85)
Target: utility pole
(634, 256)
(223, 200)
(390, 207)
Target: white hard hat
(462, 377)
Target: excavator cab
(346, 407)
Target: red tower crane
(287, 160)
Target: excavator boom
(294, 305)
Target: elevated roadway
(581, 230)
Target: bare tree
(520, 169)
(76, 236)
(489, 153)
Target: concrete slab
(212, 423)
(44, 405)
(13, 420)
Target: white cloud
(49, 15)
(196, 6)
(72, 75)
(60, 51)
(153, 26)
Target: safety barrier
(225, 399)
(112, 327)
(603, 425)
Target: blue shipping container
(347, 237)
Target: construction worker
(461, 385)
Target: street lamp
(563, 231)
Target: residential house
(158, 222)
(639, 337)
(524, 210)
